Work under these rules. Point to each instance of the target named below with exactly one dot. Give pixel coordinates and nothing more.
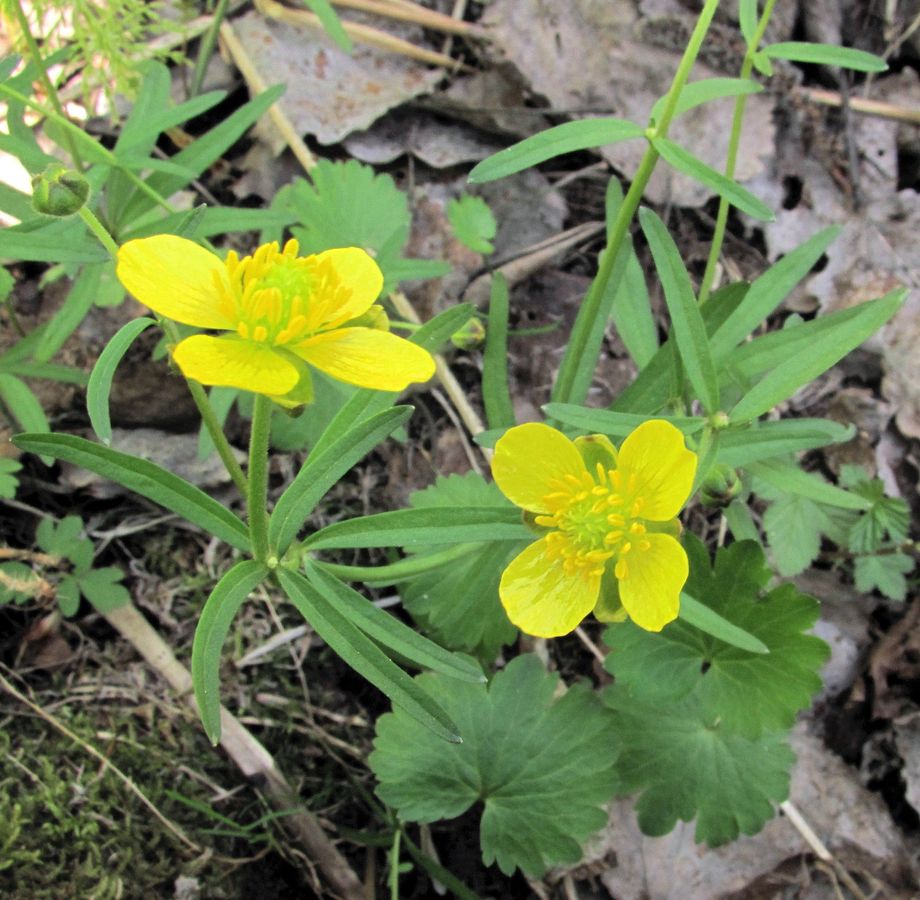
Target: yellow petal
(177, 279)
(540, 598)
(367, 357)
(358, 274)
(231, 362)
(533, 460)
(651, 580)
(655, 462)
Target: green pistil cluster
(593, 521)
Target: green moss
(69, 827)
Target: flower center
(594, 519)
(277, 298)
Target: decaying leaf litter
(540, 62)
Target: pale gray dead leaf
(177, 453)
(875, 253)
(844, 626)
(493, 101)
(823, 20)
(265, 172)
(329, 93)
(527, 208)
(853, 823)
(907, 738)
(584, 56)
(436, 143)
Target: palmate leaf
(749, 694)
(541, 768)
(688, 764)
(473, 222)
(885, 572)
(794, 525)
(349, 205)
(458, 603)
(885, 515)
(8, 480)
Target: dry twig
(252, 759)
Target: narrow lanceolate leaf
(630, 307)
(786, 379)
(745, 446)
(697, 93)
(686, 162)
(323, 11)
(38, 247)
(790, 479)
(22, 404)
(828, 55)
(364, 656)
(100, 380)
(219, 611)
(66, 320)
(615, 424)
(203, 151)
(689, 330)
(580, 135)
(145, 478)
(701, 616)
(768, 291)
(389, 631)
(747, 14)
(650, 389)
(495, 395)
(322, 470)
(422, 527)
(8, 65)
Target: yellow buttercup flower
(611, 541)
(282, 312)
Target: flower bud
(720, 486)
(470, 335)
(59, 191)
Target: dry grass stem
(419, 15)
(877, 108)
(244, 63)
(253, 760)
(107, 764)
(364, 34)
(452, 387)
(818, 847)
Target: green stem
(574, 377)
(103, 151)
(734, 142)
(206, 411)
(394, 865)
(257, 497)
(380, 576)
(200, 397)
(99, 230)
(37, 58)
